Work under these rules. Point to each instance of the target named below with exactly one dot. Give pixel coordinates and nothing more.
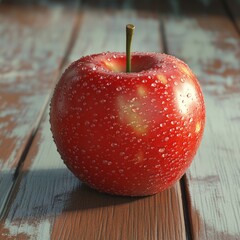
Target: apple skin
(131, 134)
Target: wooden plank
(210, 44)
(50, 203)
(32, 48)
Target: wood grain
(50, 203)
(210, 44)
(32, 48)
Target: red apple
(128, 133)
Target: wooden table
(39, 197)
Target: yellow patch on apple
(198, 127)
(129, 115)
(141, 91)
(162, 79)
(112, 67)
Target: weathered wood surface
(48, 202)
(32, 48)
(210, 44)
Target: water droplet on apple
(106, 162)
(113, 144)
(134, 109)
(122, 153)
(119, 89)
(166, 139)
(161, 150)
(87, 123)
(76, 167)
(103, 100)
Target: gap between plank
(186, 206)
(229, 13)
(70, 45)
(163, 36)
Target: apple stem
(129, 35)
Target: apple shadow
(50, 192)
